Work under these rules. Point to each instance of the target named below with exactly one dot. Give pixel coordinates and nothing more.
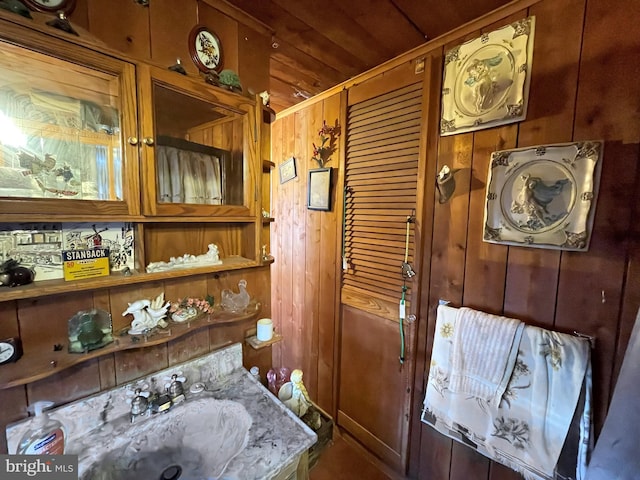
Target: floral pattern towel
(526, 431)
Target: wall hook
(446, 184)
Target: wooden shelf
(268, 219)
(267, 165)
(35, 366)
(60, 286)
(257, 344)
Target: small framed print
(205, 49)
(287, 170)
(543, 196)
(319, 191)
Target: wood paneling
(581, 89)
(318, 45)
(304, 280)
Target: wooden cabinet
(199, 148)
(64, 118)
(173, 156)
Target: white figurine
(294, 394)
(211, 257)
(265, 98)
(147, 314)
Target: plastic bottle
(46, 435)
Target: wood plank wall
(584, 87)
(306, 252)
(155, 34)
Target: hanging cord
(402, 316)
(407, 272)
(345, 262)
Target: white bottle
(46, 435)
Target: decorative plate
(543, 196)
(205, 49)
(486, 80)
(51, 6)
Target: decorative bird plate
(205, 49)
(543, 196)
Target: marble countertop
(276, 436)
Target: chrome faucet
(176, 389)
(139, 404)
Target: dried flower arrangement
(322, 152)
(187, 308)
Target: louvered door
(383, 145)
(383, 142)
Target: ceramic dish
(486, 80)
(543, 196)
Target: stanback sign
(49, 467)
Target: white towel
(528, 428)
(483, 354)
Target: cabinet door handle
(148, 141)
(133, 140)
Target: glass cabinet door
(198, 160)
(61, 131)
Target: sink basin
(195, 440)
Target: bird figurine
(235, 302)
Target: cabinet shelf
(59, 286)
(46, 362)
(257, 344)
(269, 261)
(267, 165)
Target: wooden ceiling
(319, 44)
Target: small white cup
(264, 329)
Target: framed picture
(319, 192)
(205, 49)
(52, 6)
(486, 80)
(543, 196)
(287, 170)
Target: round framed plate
(205, 49)
(51, 6)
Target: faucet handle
(175, 389)
(176, 377)
(139, 402)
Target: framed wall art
(486, 80)
(205, 49)
(543, 196)
(319, 191)
(287, 170)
